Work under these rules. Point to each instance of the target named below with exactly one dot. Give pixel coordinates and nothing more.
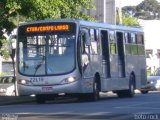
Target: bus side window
(127, 43)
(134, 48)
(113, 46)
(140, 42)
(93, 41)
(84, 47)
(99, 49)
(84, 50)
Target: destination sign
(47, 28)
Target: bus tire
(96, 89)
(121, 93)
(40, 99)
(130, 92)
(94, 96)
(82, 97)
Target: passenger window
(127, 43)
(85, 50)
(94, 46)
(140, 42)
(126, 37)
(140, 39)
(134, 47)
(84, 47)
(113, 47)
(133, 38)
(99, 49)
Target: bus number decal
(36, 79)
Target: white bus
(81, 58)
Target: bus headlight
(23, 82)
(68, 80)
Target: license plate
(47, 89)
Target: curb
(9, 100)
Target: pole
(119, 12)
(14, 70)
(104, 11)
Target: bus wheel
(130, 92)
(95, 95)
(40, 99)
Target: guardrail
(7, 79)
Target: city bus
(79, 58)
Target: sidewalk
(8, 100)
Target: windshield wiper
(39, 64)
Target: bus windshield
(46, 51)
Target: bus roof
(91, 24)
(111, 26)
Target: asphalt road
(109, 107)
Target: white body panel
(84, 83)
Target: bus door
(85, 51)
(105, 54)
(121, 56)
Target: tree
(147, 9)
(12, 11)
(129, 10)
(41, 9)
(127, 17)
(128, 21)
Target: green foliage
(41, 9)
(147, 9)
(129, 10)
(6, 73)
(148, 72)
(128, 21)
(7, 79)
(4, 50)
(31, 10)
(150, 9)
(13, 11)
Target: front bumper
(54, 89)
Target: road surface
(141, 107)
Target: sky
(129, 2)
